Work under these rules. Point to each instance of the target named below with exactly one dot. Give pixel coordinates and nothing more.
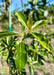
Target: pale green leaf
(39, 24)
(21, 18)
(46, 13)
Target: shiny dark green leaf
(42, 40)
(4, 34)
(20, 56)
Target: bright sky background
(17, 4)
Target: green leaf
(43, 53)
(35, 2)
(20, 56)
(31, 70)
(51, 49)
(30, 23)
(42, 40)
(51, 58)
(22, 28)
(39, 2)
(39, 24)
(4, 34)
(36, 65)
(52, 7)
(29, 0)
(46, 13)
(21, 18)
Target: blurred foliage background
(36, 10)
